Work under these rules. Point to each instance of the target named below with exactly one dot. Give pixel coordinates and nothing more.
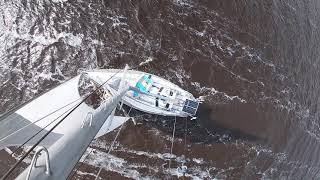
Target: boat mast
(66, 152)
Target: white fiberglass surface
(111, 124)
(132, 76)
(59, 100)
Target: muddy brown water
(254, 63)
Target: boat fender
(193, 118)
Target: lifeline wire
(4, 138)
(110, 148)
(39, 132)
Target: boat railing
(87, 120)
(35, 159)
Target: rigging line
(185, 142)
(173, 132)
(84, 160)
(37, 143)
(59, 122)
(45, 135)
(4, 138)
(110, 148)
(7, 113)
(39, 131)
(185, 136)
(74, 172)
(71, 175)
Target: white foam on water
(59, 1)
(117, 20)
(192, 172)
(213, 91)
(110, 163)
(148, 60)
(81, 173)
(180, 74)
(198, 160)
(163, 156)
(45, 39)
(184, 3)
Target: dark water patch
(229, 130)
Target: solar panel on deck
(189, 110)
(193, 104)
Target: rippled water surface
(254, 63)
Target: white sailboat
(152, 94)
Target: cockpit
(148, 89)
(144, 85)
